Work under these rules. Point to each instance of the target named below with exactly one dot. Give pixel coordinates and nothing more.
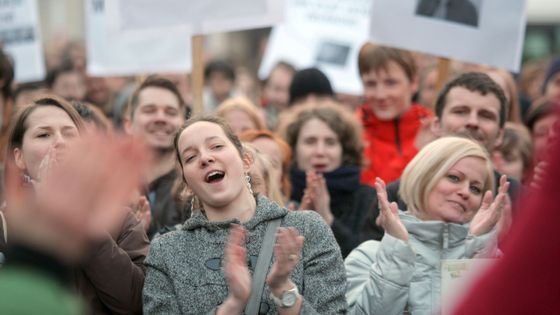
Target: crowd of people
(118, 198)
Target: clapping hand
(388, 217)
(316, 196)
(490, 211)
(287, 253)
(236, 271)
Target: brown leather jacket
(110, 281)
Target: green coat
(24, 291)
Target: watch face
(289, 298)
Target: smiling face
(471, 114)
(389, 91)
(157, 118)
(47, 128)
(212, 165)
(318, 147)
(458, 194)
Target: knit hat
(553, 69)
(309, 81)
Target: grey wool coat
(184, 274)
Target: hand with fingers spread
(491, 210)
(287, 253)
(236, 272)
(100, 182)
(388, 217)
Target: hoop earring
(248, 181)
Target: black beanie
(309, 81)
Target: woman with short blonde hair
(452, 215)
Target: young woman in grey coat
(451, 215)
(207, 266)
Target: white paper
(21, 38)
(496, 40)
(134, 52)
(457, 276)
(202, 16)
(327, 34)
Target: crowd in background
(357, 162)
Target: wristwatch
(288, 298)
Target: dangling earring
(26, 179)
(248, 181)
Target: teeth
(212, 174)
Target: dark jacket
(165, 211)
(370, 231)
(110, 281)
(350, 201)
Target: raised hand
(287, 253)
(491, 209)
(317, 197)
(388, 217)
(236, 271)
(79, 198)
(142, 210)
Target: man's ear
(415, 83)
(499, 138)
(435, 127)
(127, 124)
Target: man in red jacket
(390, 119)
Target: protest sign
(21, 38)
(133, 52)
(202, 16)
(487, 32)
(326, 34)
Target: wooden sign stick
(197, 76)
(443, 72)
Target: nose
(472, 121)
(59, 141)
(319, 148)
(464, 191)
(205, 158)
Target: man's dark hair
(157, 82)
(474, 82)
(219, 66)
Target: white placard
(327, 34)
(492, 34)
(133, 52)
(457, 276)
(21, 38)
(202, 16)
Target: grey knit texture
(184, 274)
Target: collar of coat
(266, 210)
(435, 232)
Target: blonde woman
(451, 215)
